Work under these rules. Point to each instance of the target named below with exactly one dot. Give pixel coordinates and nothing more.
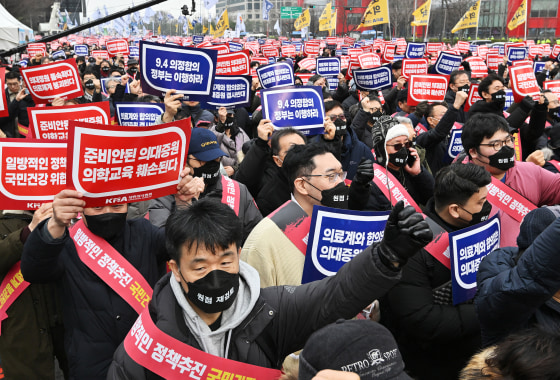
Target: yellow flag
(520, 16)
(189, 24)
(303, 21)
(159, 29)
(422, 14)
(325, 18)
(212, 31)
(469, 19)
(332, 22)
(176, 28)
(222, 25)
(204, 29)
(376, 13)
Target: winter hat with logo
(204, 146)
(534, 223)
(360, 346)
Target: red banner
(261, 60)
(369, 60)
(414, 67)
(552, 85)
(11, 288)
(534, 51)
(311, 48)
(508, 200)
(118, 46)
(33, 172)
(473, 96)
(270, 51)
(351, 67)
(233, 63)
(389, 53)
(463, 46)
(288, 51)
(431, 88)
(392, 188)
(111, 267)
(221, 48)
(100, 54)
(117, 164)
(37, 48)
(434, 47)
(493, 61)
(344, 61)
(354, 53)
(401, 46)
(3, 99)
(51, 123)
(53, 80)
(478, 67)
(231, 194)
(555, 51)
(523, 83)
(482, 51)
(149, 346)
(308, 64)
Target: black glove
(364, 172)
(406, 233)
(527, 104)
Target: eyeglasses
(340, 117)
(399, 146)
(332, 178)
(498, 144)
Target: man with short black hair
(18, 100)
(212, 302)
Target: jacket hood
(218, 342)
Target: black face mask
(132, 71)
(336, 197)
(503, 160)
(106, 69)
(499, 97)
(340, 127)
(210, 172)
(480, 216)
(399, 158)
(89, 84)
(106, 226)
(465, 88)
(214, 292)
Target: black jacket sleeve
(361, 127)
(436, 135)
(251, 169)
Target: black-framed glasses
(340, 117)
(332, 177)
(498, 144)
(399, 146)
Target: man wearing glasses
(276, 246)
(488, 143)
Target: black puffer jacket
(96, 319)
(282, 319)
(516, 293)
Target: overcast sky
(171, 6)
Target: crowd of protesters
(69, 320)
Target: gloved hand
(527, 104)
(364, 172)
(406, 233)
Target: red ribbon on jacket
(387, 182)
(111, 267)
(11, 288)
(172, 359)
(231, 194)
(508, 200)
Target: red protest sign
(478, 67)
(433, 47)
(535, 50)
(524, 62)
(431, 88)
(253, 46)
(523, 83)
(100, 54)
(92, 41)
(221, 48)
(555, 51)
(552, 85)
(545, 50)
(354, 53)
(53, 80)
(3, 99)
(351, 67)
(37, 48)
(118, 46)
(305, 76)
(414, 67)
(308, 63)
(389, 53)
(261, 60)
(288, 51)
(233, 63)
(401, 46)
(462, 46)
(311, 48)
(269, 51)
(349, 40)
(116, 164)
(369, 60)
(344, 61)
(482, 51)
(473, 97)
(493, 61)
(33, 172)
(51, 123)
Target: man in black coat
(252, 325)
(435, 337)
(18, 102)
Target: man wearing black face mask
(492, 91)
(212, 302)
(369, 110)
(133, 68)
(459, 81)
(203, 159)
(276, 247)
(487, 143)
(435, 337)
(92, 87)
